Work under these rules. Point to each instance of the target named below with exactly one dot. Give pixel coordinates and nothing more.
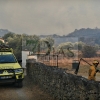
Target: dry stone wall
(62, 85)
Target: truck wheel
(19, 84)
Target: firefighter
(93, 70)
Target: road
(28, 92)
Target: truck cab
(10, 69)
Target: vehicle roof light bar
(5, 48)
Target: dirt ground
(66, 63)
(86, 75)
(28, 92)
(83, 71)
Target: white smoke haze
(48, 16)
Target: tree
(1, 42)
(79, 45)
(8, 35)
(50, 40)
(97, 47)
(65, 49)
(32, 42)
(46, 44)
(88, 51)
(65, 45)
(15, 42)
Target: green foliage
(65, 45)
(65, 49)
(15, 42)
(79, 45)
(50, 40)
(47, 43)
(8, 35)
(1, 42)
(89, 51)
(30, 42)
(97, 47)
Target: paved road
(28, 92)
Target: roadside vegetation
(19, 42)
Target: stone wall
(62, 85)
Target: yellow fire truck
(10, 69)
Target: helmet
(95, 62)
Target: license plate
(5, 77)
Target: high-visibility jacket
(92, 73)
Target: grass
(67, 63)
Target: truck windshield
(7, 58)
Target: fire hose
(77, 68)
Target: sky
(49, 16)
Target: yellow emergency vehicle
(10, 69)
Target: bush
(88, 51)
(79, 45)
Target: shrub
(88, 51)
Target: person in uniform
(93, 70)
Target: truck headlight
(18, 70)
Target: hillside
(85, 33)
(89, 36)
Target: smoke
(48, 16)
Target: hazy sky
(49, 16)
